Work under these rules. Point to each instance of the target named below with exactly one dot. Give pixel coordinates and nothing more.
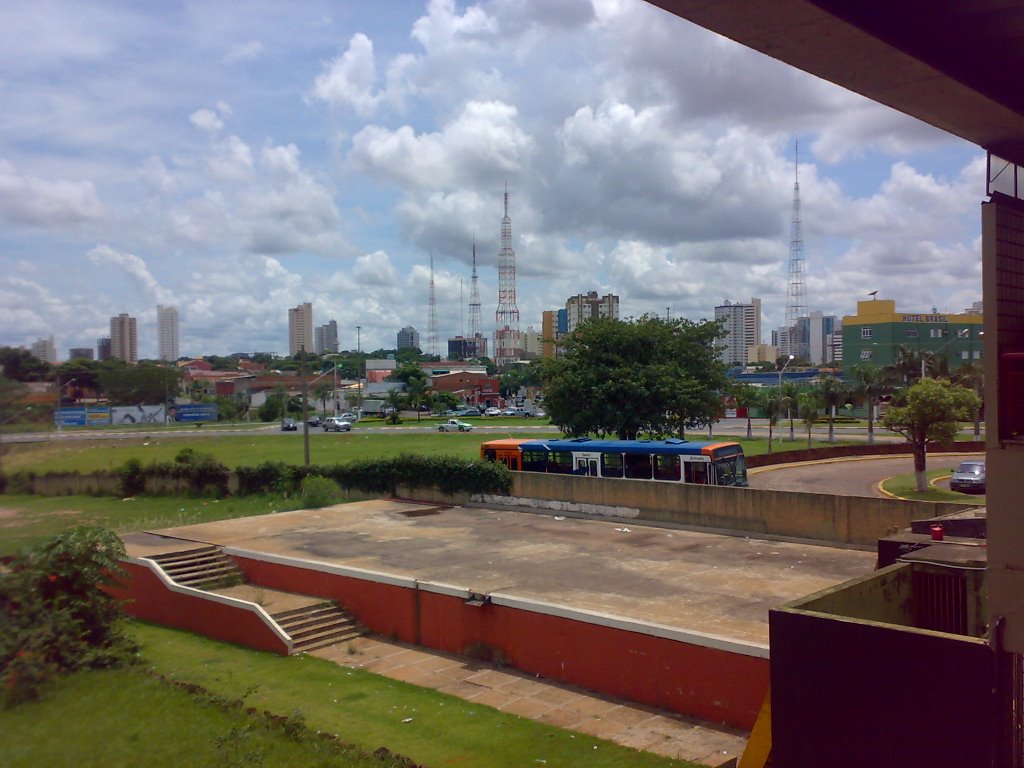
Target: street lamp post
(782, 370)
(60, 388)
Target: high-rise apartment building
(589, 306)
(167, 333)
(45, 350)
(742, 324)
(820, 328)
(408, 338)
(300, 329)
(124, 343)
(103, 348)
(325, 338)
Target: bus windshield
(732, 470)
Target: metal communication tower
(432, 320)
(796, 290)
(475, 321)
(507, 316)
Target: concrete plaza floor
(699, 582)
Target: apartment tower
(167, 331)
(300, 329)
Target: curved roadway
(845, 477)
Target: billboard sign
(137, 414)
(192, 412)
(82, 416)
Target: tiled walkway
(630, 725)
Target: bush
(319, 492)
(56, 614)
(133, 479)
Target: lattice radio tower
(796, 290)
(475, 321)
(432, 320)
(507, 315)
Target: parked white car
(492, 412)
(454, 425)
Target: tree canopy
(931, 414)
(647, 375)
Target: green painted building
(875, 334)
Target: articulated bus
(674, 461)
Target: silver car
(969, 477)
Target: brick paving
(563, 706)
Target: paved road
(845, 478)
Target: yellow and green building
(874, 335)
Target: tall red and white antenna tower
(432, 320)
(475, 321)
(796, 289)
(507, 316)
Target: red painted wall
(149, 599)
(693, 680)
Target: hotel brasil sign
(925, 319)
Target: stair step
(177, 557)
(313, 643)
(303, 618)
(204, 568)
(284, 615)
(337, 625)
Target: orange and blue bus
(672, 460)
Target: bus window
(490, 454)
(512, 462)
(638, 466)
(696, 472)
(611, 465)
(667, 468)
(581, 467)
(535, 461)
(732, 471)
(560, 462)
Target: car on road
(509, 412)
(348, 416)
(314, 421)
(454, 425)
(289, 425)
(492, 412)
(969, 477)
(337, 424)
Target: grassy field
(126, 717)
(250, 449)
(25, 520)
(905, 486)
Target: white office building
(167, 331)
(742, 330)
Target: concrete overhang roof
(954, 64)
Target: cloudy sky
(236, 159)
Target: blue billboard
(192, 412)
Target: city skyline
(234, 165)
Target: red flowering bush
(55, 613)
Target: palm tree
(833, 393)
(771, 407)
(972, 376)
(807, 409)
(746, 397)
(416, 389)
(789, 393)
(320, 392)
(871, 383)
(395, 400)
(906, 365)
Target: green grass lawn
(333, 448)
(128, 717)
(905, 486)
(25, 520)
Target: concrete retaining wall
(842, 519)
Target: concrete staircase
(316, 626)
(204, 568)
(310, 622)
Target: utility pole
(359, 376)
(305, 404)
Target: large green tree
(931, 414)
(620, 378)
(141, 384)
(22, 365)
